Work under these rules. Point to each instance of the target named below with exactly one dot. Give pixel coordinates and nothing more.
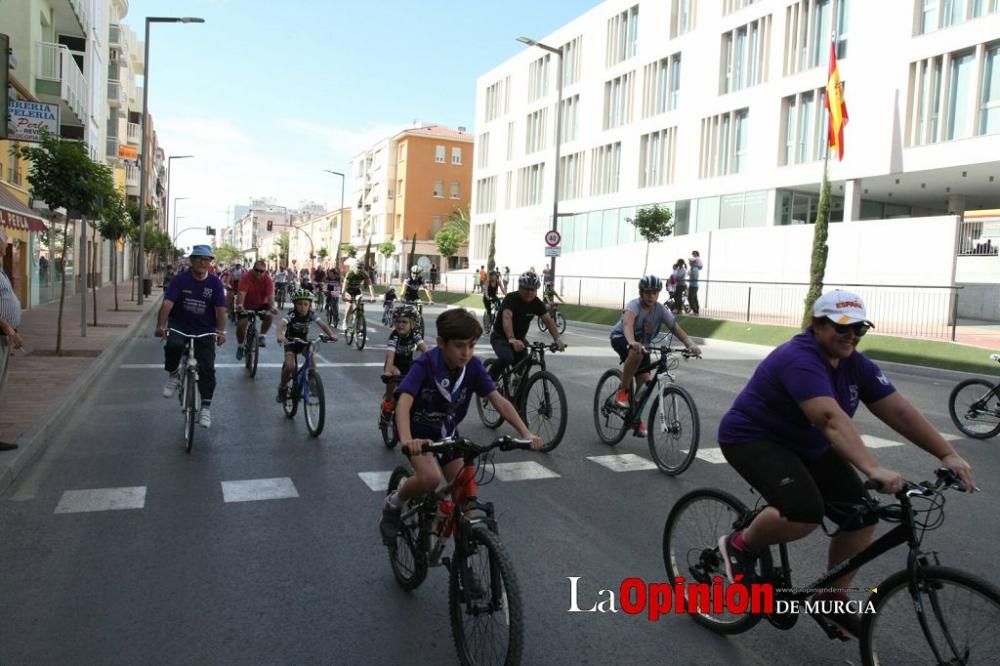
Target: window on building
(571, 176)
(808, 26)
(535, 130)
(605, 169)
(661, 83)
(960, 96)
(438, 188)
(803, 126)
(497, 99)
(570, 111)
(486, 194)
(622, 36)
(538, 77)
(401, 152)
(730, 6)
(989, 111)
(928, 15)
(724, 139)
(657, 155)
(483, 151)
(508, 190)
(435, 224)
(439, 154)
(744, 55)
(530, 181)
(454, 191)
(479, 248)
(571, 59)
(510, 140)
(456, 155)
(618, 95)
(682, 16)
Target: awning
(16, 215)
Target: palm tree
(459, 221)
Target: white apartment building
(715, 108)
(372, 174)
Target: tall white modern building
(715, 108)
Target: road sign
(553, 252)
(552, 239)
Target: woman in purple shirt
(790, 435)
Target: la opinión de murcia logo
(636, 596)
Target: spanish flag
(836, 105)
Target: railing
(134, 133)
(114, 92)
(978, 238)
(132, 176)
(56, 63)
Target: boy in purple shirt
(430, 403)
(790, 435)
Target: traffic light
(270, 225)
(209, 231)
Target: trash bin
(147, 286)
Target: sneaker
(621, 398)
(204, 418)
(239, 353)
(848, 623)
(261, 342)
(738, 561)
(389, 525)
(640, 429)
(173, 383)
(281, 395)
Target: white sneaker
(173, 383)
(204, 418)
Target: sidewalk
(978, 333)
(42, 386)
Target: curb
(34, 442)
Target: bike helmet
(416, 270)
(528, 280)
(651, 283)
(405, 311)
(302, 295)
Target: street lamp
(142, 141)
(343, 180)
(559, 85)
(170, 175)
(173, 209)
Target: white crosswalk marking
(102, 499)
(878, 443)
(948, 437)
(251, 490)
(713, 456)
(377, 481)
(623, 462)
(523, 471)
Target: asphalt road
(185, 576)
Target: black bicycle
(557, 317)
(188, 394)
(484, 600)
(538, 397)
(974, 406)
(251, 341)
(673, 429)
(490, 315)
(357, 325)
(955, 613)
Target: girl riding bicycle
(403, 342)
(296, 322)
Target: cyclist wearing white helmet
(639, 324)
(296, 322)
(413, 285)
(510, 329)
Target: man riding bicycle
(231, 279)
(634, 332)
(510, 328)
(494, 288)
(354, 280)
(194, 303)
(296, 324)
(413, 285)
(790, 435)
(403, 343)
(256, 294)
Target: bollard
(749, 291)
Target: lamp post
(173, 208)
(170, 177)
(343, 181)
(142, 141)
(559, 86)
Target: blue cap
(202, 251)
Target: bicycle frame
(522, 369)
(662, 366)
(301, 377)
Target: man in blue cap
(194, 303)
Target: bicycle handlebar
(470, 449)
(319, 338)
(945, 477)
(552, 347)
(664, 351)
(188, 335)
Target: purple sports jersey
(194, 302)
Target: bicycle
(673, 438)
(307, 387)
(279, 294)
(490, 315)
(539, 398)
(908, 604)
(189, 385)
(251, 341)
(332, 308)
(387, 316)
(387, 421)
(357, 326)
(974, 406)
(484, 600)
(557, 317)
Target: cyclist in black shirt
(511, 328)
(296, 324)
(494, 289)
(403, 342)
(412, 286)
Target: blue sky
(268, 93)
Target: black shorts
(295, 347)
(353, 293)
(620, 345)
(803, 491)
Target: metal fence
(979, 238)
(905, 310)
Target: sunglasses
(859, 329)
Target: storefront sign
(26, 120)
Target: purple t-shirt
(440, 401)
(195, 302)
(768, 407)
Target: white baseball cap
(841, 307)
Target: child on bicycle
(430, 403)
(550, 296)
(404, 340)
(296, 323)
(389, 301)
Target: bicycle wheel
(673, 430)
(291, 404)
(487, 322)
(190, 411)
(484, 602)
(974, 406)
(691, 550)
(560, 322)
(361, 334)
(407, 559)
(541, 325)
(387, 428)
(545, 408)
(962, 613)
(349, 333)
(489, 415)
(610, 420)
(314, 406)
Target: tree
(114, 226)
(368, 253)
(491, 261)
(386, 248)
(227, 253)
(322, 253)
(817, 268)
(350, 250)
(281, 242)
(654, 224)
(448, 241)
(63, 176)
(413, 251)
(458, 220)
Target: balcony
(132, 180)
(59, 77)
(114, 93)
(134, 133)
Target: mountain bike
(974, 406)
(489, 316)
(307, 387)
(557, 317)
(954, 613)
(387, 421)
(357, 326)
(484, 600)
(673, 427)
(251, 340)
(188, 394)
(538, 397)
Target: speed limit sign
(553, 238)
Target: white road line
(377, 481)
(713, 456)
(878, 443)
(948, 437)
(251, 490)
(523, 471)
(102, 499)
(623, 462)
